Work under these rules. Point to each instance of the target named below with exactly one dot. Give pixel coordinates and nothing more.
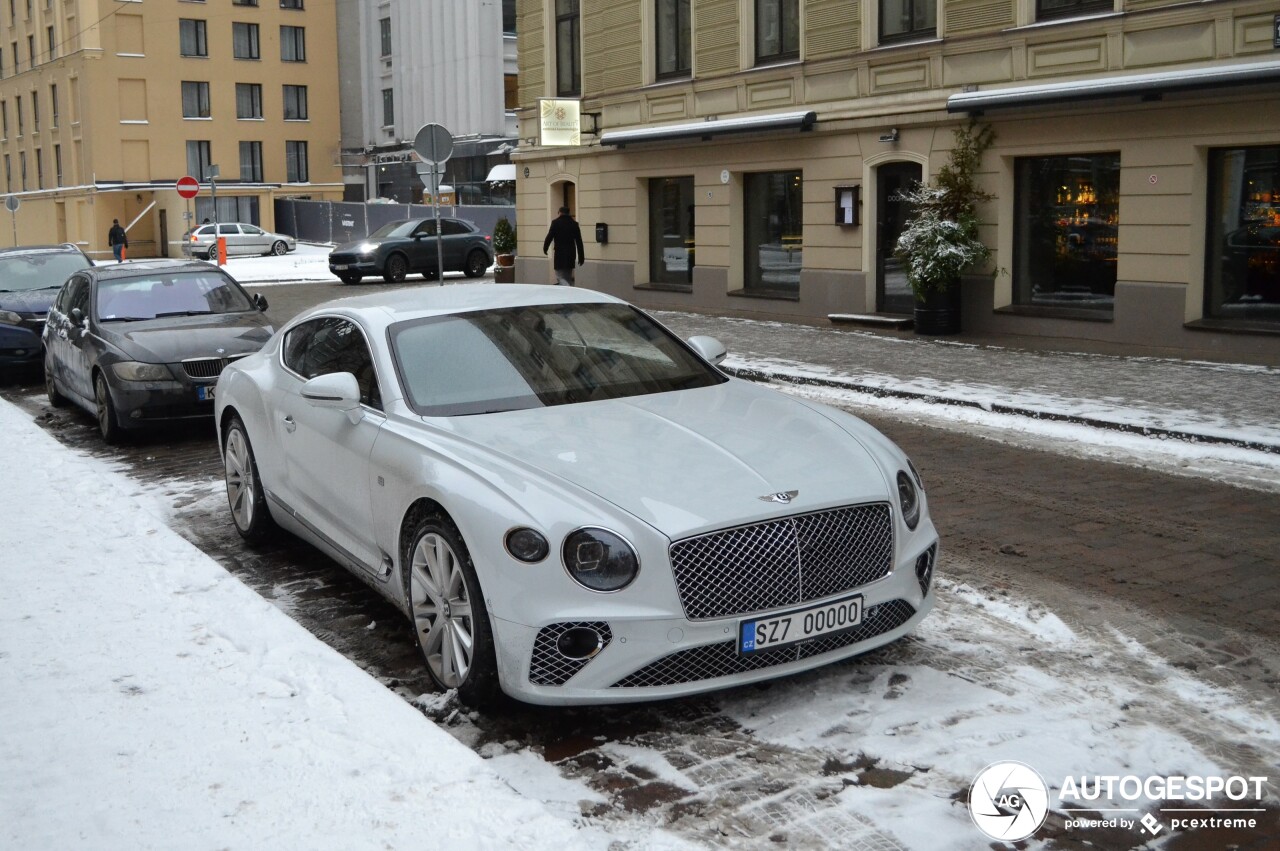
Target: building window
(1067, 216)
(39, 169)
(2, 73)
(248, 100)
(509, 17)
(1242, 280)
(192, 38)
(295, 162)
(4, 119)
(251, 162)
(17, 62)
(53, 43)
(673, 40)
(22, 168)
(244, 40)
(17, 108)
(290, 4)
(388, 107)
(8, 174)
(384, 29)
(671, 230)
(777, 30)
(1047, 10)
(198, 159)
(195, 99)
(57, 163)
(35, 112)
(244, 2)
(568, 48)
(906, 20)
(774, 231)
(293, 44)
(53, 103)
(510, 91)
(295, 103)
(31, 50)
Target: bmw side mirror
(260, 302)
(711, 349)
(77, 315)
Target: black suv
(401, 248)
(30, 276)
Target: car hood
(691, 461)
(28, 301)
(353, 247)
(171, 339)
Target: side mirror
(711, 349)
(338, 390)
(77, 315)
(260, 302)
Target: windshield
(539, 356)
(393, 229)
(170, 294)
(40, 271)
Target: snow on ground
(150, 700)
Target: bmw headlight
(909, 499)
(600, 560)
(8, 317)
(134, 371)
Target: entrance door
(893, 293)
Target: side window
(451, 228)
(78, 296)
(330, 345)
(251, 230)
(229, 230)
(427, 228)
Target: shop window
(1243, 256)
(774, 233)
(671, 245)
(1047, 10)
(777, 30)
(673, 38)
(1065, 227)
(908, 20)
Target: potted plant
(504, 247)
(940, 241)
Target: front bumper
(139, 403)
(351, 263)
(20, 345)
(656, 658)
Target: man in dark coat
(117, 239)
(567, 236)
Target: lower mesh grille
(549, 667)
(718, 660)
(924, 569)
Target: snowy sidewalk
(150, 700)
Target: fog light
(527, 545)
(579, 643)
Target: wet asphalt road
(1194, 558)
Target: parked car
(242, 238)
(140, 342)
(406, 247)
(570, 504)
(30, 276)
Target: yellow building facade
(747, 157)
(104, 106)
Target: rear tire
(396, 269)
(245, 495)
(477, 264)
(448, 613)
(108, 424)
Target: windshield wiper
(185, 313)
(124, 318)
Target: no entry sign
(188, 187)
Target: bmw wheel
(245, 495)
(108, 424)
(56, 399)
(396, 269)
(477, 264)
(448, 612)
(278, 248)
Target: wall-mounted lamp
(890, 137)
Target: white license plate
(800, 625)
(341, 267)
(206, 394)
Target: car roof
(64, 248)
(139, 268)
(377, 310)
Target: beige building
(747, 157)
(104, 105)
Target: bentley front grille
(720, 660)
(783, 562)
(550, 666)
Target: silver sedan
(242, 238)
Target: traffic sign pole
(434, 144)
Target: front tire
(448, 612)
(396, 270)
(108, 423)
(245, 495)
(477, 264)
(278, 248)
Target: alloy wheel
(442, 613)
(240, 484)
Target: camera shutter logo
(1008, 801)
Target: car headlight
(915, 474)
(527, 545)
(909, 499)
(134, 371)
(366, 247)
(600, 560)
(8, 317)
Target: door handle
(289, 424)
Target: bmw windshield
(39, 271)
(539, 356)
(170, 294)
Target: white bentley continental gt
(570, 504)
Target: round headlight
(909, 499)
(600, 560)
(527, 545)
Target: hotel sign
(560, 121)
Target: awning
(1134, 85)
(709, 129)
(501, 173)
